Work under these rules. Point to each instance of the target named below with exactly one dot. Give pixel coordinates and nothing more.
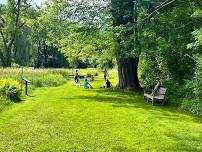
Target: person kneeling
(86, 84)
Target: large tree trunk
(128, 74)
(124, 14)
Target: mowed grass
(69, 118)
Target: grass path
(68, 118)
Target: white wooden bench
(158, 94)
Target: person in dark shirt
(76, 76)
(108, 84)
(105, 74)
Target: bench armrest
(147, 90)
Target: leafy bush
(193, 106)
(152, 70)
(176, 92)
(38, 77)
(14, 65)
(197, 82)
(10, 88)
(194, 102)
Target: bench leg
(152, 102)
(163, 102)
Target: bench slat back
(156, 88)
(161, 91)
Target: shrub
(10, 88)
(197, 82)
(194, 87)
(38, 77)
(193, 106)
(14, 65)
(175, 92)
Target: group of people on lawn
(86, 83)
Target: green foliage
(197, 82)
(194, 102)
(48, 80)
(152, 70)
(166, 37)
(38, 83)
(197, 34)
(12, 19)
(38, 77)
(192, 105)
(10, 88)
(198, 39)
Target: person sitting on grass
(77, 83)
(108, 84)
(86, 84)
(91, 78)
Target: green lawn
(69, 118)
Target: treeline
(21, 42)
(148, 41)
(18, 44)
(27, 38)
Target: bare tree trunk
(128, 74)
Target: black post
(26, 88)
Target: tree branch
(162, 5)
(166, 3)
(4, 39)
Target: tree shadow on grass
(126, 99)
(152, 115)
